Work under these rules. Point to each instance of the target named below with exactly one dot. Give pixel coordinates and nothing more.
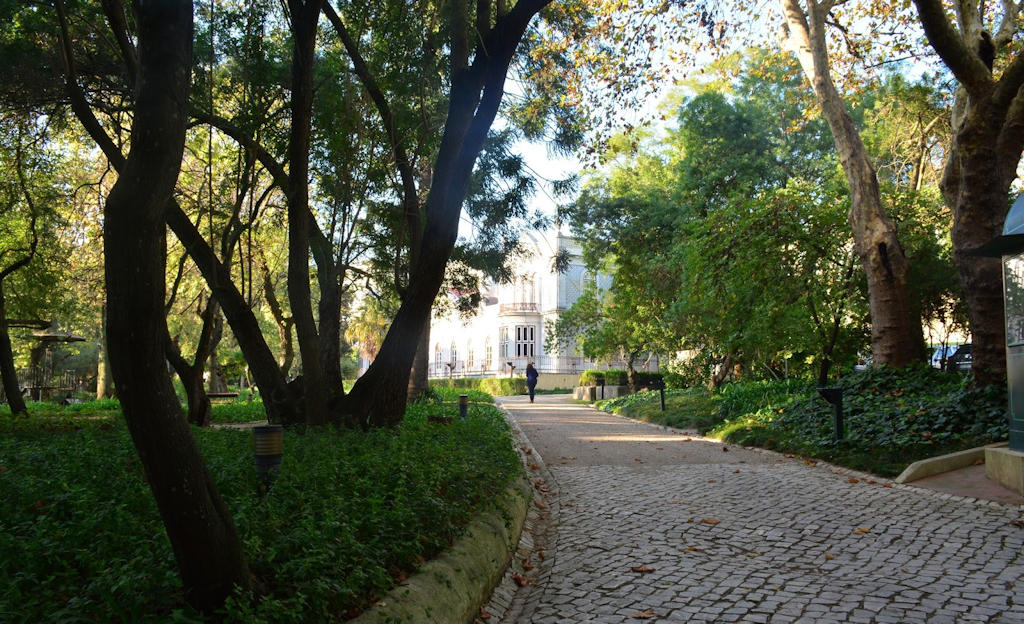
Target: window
(488, 353)
(469, 358)
(525, 341)
(437, 358)
(454, 354)
(504, 346)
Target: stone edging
(452, 587)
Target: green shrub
(591, 377)
(493, 386)
(82, 541)
(893, 417)
(238, 412)
(646, 379)
(690, 408)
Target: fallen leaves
(527, 565)
(534, 467)
(711, 521)
(854, 480)
(539, 504)
(520, 580)
(829, 556)
(642, 569)
(1018, 523)
(484, 615)
(861, 531)
(646, 614)
(978, 462)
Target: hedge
(494, 386)
(616, 377)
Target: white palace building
(511, 323)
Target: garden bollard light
(267, 450)
(463, 405)
(661, 389)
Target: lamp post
(267, 450)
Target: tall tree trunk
(202, 534)
(419, 381)
(7, 373)
(284, 323)
(988, 139)
(874, 235)
(104, 379)
(329, 307)
(304, 17)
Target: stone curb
(451, 588)
(944, 463)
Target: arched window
(488, 354)
(437, 358)
(454, 354)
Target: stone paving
(640, 523)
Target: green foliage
(690, 408)
(350, 513)
(616, 377)
(892, 418)
(237, 412)
(493, 386)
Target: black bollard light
(463, 405)
(661, 389)
(267, 450)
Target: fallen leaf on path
(829, 556)
(638, 460)
(711, 521)
(978, 462)
(642, 615)
(725, 449)
(541, 555)
(711, 480)
(1018, 523)
(527, 565)
(642, 569)
(693, 549)
(862, 530)
(853, 480)
(520, 580)
(887, 485)
(534, 467)
(808, 462)
(737, 471)
(539, 504)
(484, 615)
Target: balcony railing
(512, 308)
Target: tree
(893, 329)
(202, 534)
(982, 158)
(18, 242)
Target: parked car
(960, 360)
(940, 355)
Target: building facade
(509, 328)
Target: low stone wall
(594, 393)
(550, 381)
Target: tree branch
(968, 69)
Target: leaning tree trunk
(378, 397)
(419, 382)
(7, 373)
(202, 534)
(875, 241)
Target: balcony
(518, 308)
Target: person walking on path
(531, 379)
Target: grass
(351, 513)
(690, 408)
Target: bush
(591, 377)
(493, 386)
(611, 377)
(238, 412)
(893, 418)
(351, 513)
(645, 379)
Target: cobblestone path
(647, 524)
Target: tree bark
(419, 381)
(7, 373)
(104, 378)
(304, 17)
(987, 143)
(875, 240)
(202, 534)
